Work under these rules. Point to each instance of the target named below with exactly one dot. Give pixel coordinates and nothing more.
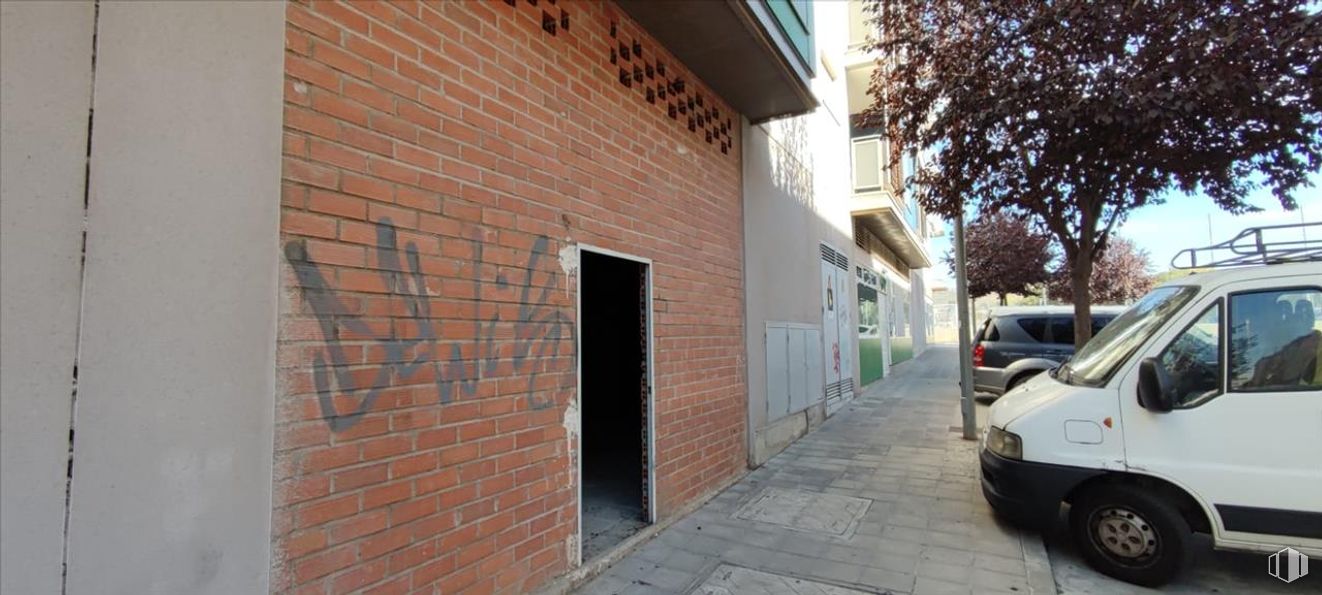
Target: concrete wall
(171, 488)
(796, 195)
(43, 154)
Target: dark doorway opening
(613, 399)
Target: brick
(322, 564)
(309, 173)
(414, 509)
(341, 14)
(366, 187)
(327, 510)
(341, 60)
(384, 542)
(392, 171)
(339, 205)
(368, 95)
(359, 577)
(358, 526)
(300, 223)
(305, 542)
(391, 38)
(311, 72)
(312, 122)
(358, 477)
(413, 465)
(336, 107)
(367, 140)
(383, 495)
(303, 19)
(334, 154)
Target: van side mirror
(1155, 391)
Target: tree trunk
(1003, 301)
(1080, 274)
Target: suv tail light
(978, 352)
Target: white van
(1197, 409)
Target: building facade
(835, 250)
(380, 297)
(891, 231)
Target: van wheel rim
(1124, 534)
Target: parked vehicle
(1197, 409)
(1015, 344)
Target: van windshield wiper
(1065, 374)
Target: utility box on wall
(794, 368)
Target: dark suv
(1015, 344)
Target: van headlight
(1005, 444)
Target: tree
(1005, 256)
(1119, 275)
(1079, 112)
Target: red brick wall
(438, 158)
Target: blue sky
(1181, 222)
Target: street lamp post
(965, 344)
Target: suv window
(1035, 327)
(1275, 342)
(1193, 359)
(1062, 327)
(1062, 330)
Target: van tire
(1110, 524)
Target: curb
(1038, 564)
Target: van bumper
(1027, 493)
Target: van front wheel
(1130, 534)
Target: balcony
(880, 203)
(757, 54)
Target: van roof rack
(1267, 244)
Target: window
(1193, 360)
(1062, 330)
(1275, 341)
(995, 334)
(867, 159)
(1035, 327)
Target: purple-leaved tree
(1079, 111)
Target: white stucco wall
(171, 488)
(45, 90)
(796, 195)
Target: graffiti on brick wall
(540, 331)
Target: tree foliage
(1120, 275)
(1079, 111)
(1005, 256)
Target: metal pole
(965, 342)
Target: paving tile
(881, 498)
(803, 510)
(999, 564)
(727, 579)
(887, 580)
(930, 586)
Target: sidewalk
(883, 497)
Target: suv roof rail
(1266, 244)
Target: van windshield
(1097, 361)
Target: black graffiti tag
(539, 332)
